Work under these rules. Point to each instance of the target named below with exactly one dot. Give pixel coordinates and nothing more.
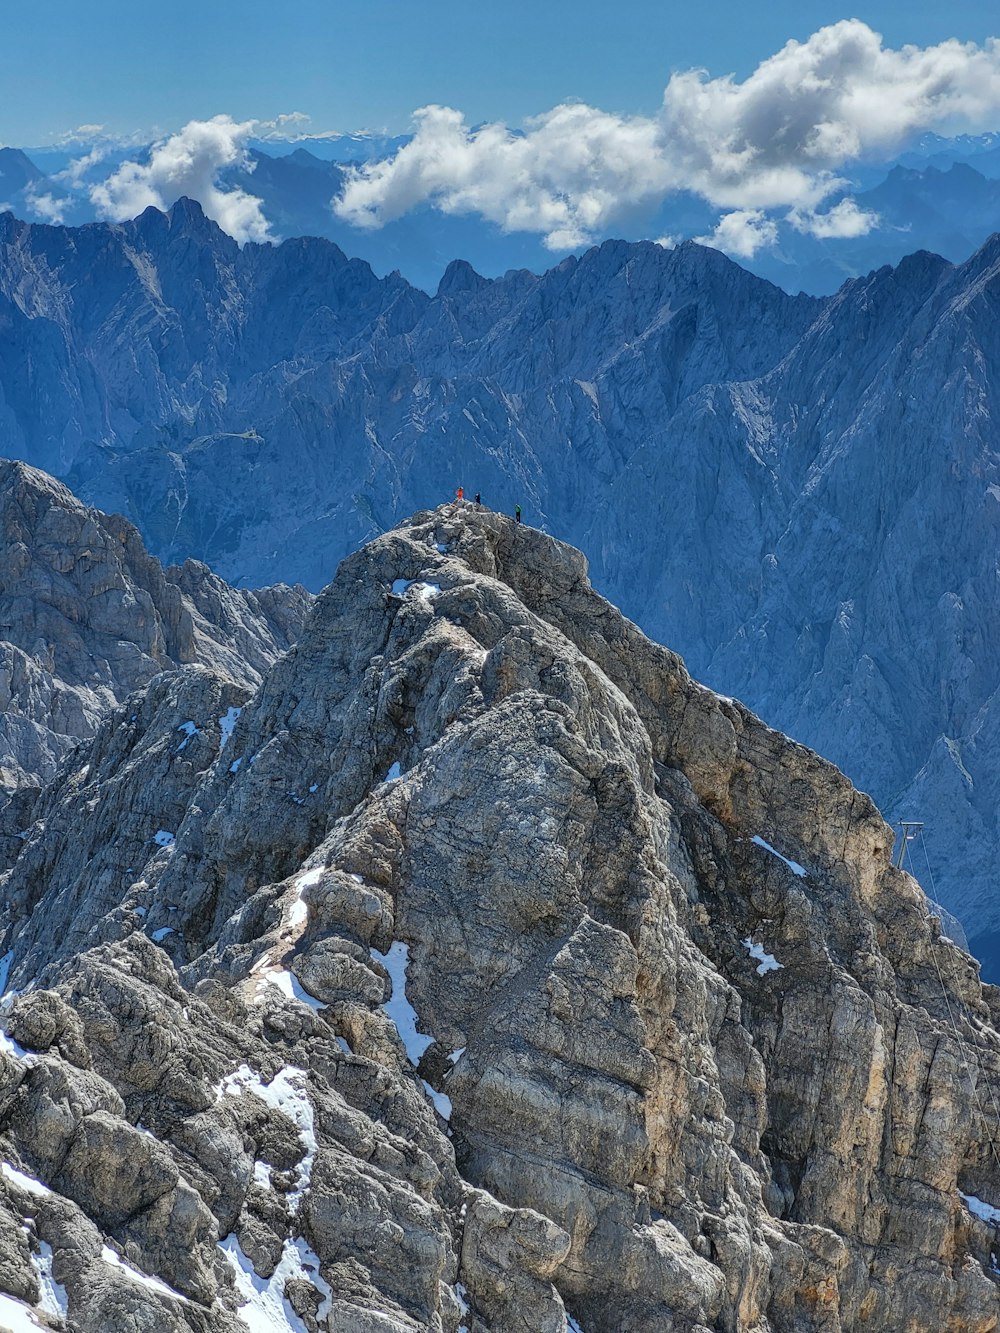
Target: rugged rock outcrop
(87, 616)
(799, 494)
(492, 974)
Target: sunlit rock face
(482, 970)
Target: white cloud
(73, 174)
(189, 163)
(742, 233)
(844, 219)
(45, 205)
(776, 141)
(291, 125)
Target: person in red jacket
(460, 494)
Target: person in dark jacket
(517, 512)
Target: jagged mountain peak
(87, 616)
(483, 969)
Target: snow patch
(793, 866)
(461, 1296)
(282, 1094)
(980, 1209)
(234, 767)
(425, 591)
(571, 1325)
(262, 1174)
(14, 1048)
(162, 933)
(398, 1006)
(162, 838)
(52, 1296)
(139, 911)
(28, 1183)
(265, 1309)
(17, 1318)
(290, 986)
(456, 1055)
(394, 772)
(767, 961)
(189, 729)
(113, 1258)
(226, 724)
(441, 1102)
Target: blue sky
(369, 65)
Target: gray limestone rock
(495, 974)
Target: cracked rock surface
(485, 973)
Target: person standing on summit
(460, 494)
(517, 512)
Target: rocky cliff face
(490, 974)
(87, 616)
(801, 495)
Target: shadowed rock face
(87, 616)
(491, 968)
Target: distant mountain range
(941, 195)
(802, 495)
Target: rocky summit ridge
(487, 974)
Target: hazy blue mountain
(801, 495)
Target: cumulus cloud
(189, 163)
(844, 219)
(742, 233)
(778, 141)
(44, 205)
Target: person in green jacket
(517, 512)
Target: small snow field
(113, 1258)
(226, 724)
(160, 935)
(442, 1103)
(52, 1296)
(264, 1308)
(298, 912)
(398, 1006)
(163, 838)
(394, 772)
(415, 587)
(290, 986)
(27, 1183)
(189, 729)
(282, 1094)
(11, 1047)
(767, 961)
(982, 1210)
(463, 1306)
(793, 866)
(16, 1317)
